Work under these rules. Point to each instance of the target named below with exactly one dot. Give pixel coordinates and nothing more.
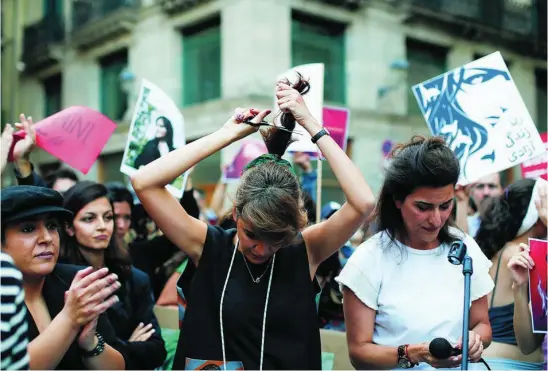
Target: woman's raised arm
(149, 182)
(324, 239)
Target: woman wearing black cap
(65, 326)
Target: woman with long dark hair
(159, 146)
(252, 300)
(91, 241)
(399, 290)
(509, 220)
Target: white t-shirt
(418, 295)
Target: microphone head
(457, 252)
(440, 348)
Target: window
(113, 98)
(540, 82)
(53, 8)
(52, 88)
(425, 61)
(202, 62)
(315, 40)
(506, 61)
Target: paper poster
(538, 166)
(481, 115)
(386, 149)
(248, 151)
(75, 135)
(157, 128)
(337, 120)
(314, 101)
(537, 285)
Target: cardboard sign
(537, 285)
(314, 101)
(157, 128)
(75, 135)
(479, 112)
(538, 166)
(249, 150)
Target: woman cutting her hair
(252, 298)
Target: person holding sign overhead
(253, 295)
(527, 341)
(508, 221)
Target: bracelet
(99, 348)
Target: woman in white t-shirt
(400, 291)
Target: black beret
(23, 202)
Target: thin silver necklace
(258, 279)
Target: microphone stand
(457, 255)
(467, 271)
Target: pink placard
(537, 285)
(75, 135)
(249, 150)
(537, 167)
(336, 121)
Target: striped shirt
(13, 317)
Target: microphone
(457, 252)
(442, 349)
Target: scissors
(264, 123)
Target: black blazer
(149, 153)
(55, 285)
(137, 305)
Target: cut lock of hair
(269, 196)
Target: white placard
(479, 112)
(157, 127)
(314, 101)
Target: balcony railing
(520, 24)
(38, 38)
(96, 20)
(178, 6)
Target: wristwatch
(320, 134)
(403, 359)
(99, 348)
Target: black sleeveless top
(292, 336)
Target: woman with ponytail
(509, 220)
(252, 301)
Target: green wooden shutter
(425, 61)
(202, 66)
(53, 97)
(113, 98)
(313, 44)
(52, 7)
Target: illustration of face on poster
(479, 112)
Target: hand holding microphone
(475, 346)
(441, 348)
